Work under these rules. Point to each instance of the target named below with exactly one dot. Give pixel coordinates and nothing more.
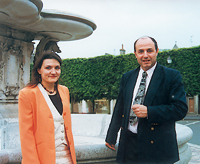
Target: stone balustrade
(89, 132)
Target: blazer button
(152, 128)
(151, 142)
(122, 116)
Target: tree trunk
(109, 106)
(93, 105)
(72, 104)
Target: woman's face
(50, 71)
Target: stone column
(16, 47)
(15, 52)
(84, 107)
(196, 104)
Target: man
(152, 138)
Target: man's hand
(140, 110)
(110, 146)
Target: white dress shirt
(148, 79)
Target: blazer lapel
(48, 100)
(130, 85)
(155, 82)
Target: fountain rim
(50, 13)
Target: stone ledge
(12, 156)
(95, 154)
(89, 132)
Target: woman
(44, 116)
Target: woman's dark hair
(36, 77)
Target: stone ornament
(46, 44)
(1, 70)
(13, 55)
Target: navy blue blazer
(166, 103)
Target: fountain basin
(89, 132)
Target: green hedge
(99, 77)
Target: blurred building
(122, 50)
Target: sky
(123, 21)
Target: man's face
(146, 53)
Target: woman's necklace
(51, 92)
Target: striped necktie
(139, 98)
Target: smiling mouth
(145, 61)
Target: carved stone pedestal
(16, 48)
(15, 56)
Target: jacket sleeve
(116, 120)
(26, 127)
(175, 107)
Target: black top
(57, 102)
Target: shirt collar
(149, 71)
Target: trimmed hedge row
(99, 77)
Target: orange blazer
(36, 126)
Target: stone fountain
(22, 22)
